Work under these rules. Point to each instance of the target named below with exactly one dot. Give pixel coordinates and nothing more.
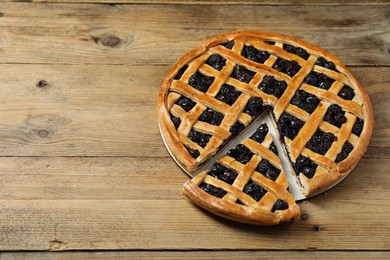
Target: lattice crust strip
(247, 184)
(216, 91)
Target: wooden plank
(160, 34)
(113, 178)
(217, 2)
(83, 203)
(198, 255)
(91, 110)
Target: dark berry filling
(305, 165)
(180, 72)
(212, 190)
(279, 205)
(236, 129)
(272, 86)
(219, 171)
(211, 116)
(272, 148)
(194, 153)
(346, 93)
(254, 107)
(186, 103)
(335, 115)
(268, 170)
(175, 120)
(200, 81)
(345, 151)
(358, 126)
(286, 66)
(216, 61)
(228, 44)
(260, 133)
(242, 74)
(321, 61)
(296, 50)
(253, 54)
(228, 94)
(289, 125)
(239, 202)
(305, 101)
(254, 190)
(318, 80)
(241, 153)
(198, 137)
(270, 42)
(320, 142)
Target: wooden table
(82, 165)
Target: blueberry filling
(268, 170)
(242, 74)
(239, 202)
(272, 86)
(194, 153)
(200, 81)
(211, 116)
(305, 101)
(305, 166)
(346, 93)
(321, 61)
(318, 80)
(335, 115)
(180, 72)
(320, 142)
(287, 67)
(358, 126)
(212, 190)
(270, 42)
(289, 125)
(200, 138)
(186, 103)
(216, 61)
(228, 44)
(254, 107)
(345, 151)
(279, 205)
(253, 54)
(241, 153)
(228, 94)
(254, 190)
(175, 120)
(236, 129)
(296, 50)
(221, 172)
(260, 133)
(272, 148)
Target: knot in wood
(43, 133)
(42, 83)
(316, 228)
(111, 41)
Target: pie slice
(214, 92)
(247, 184)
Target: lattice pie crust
(214, 92)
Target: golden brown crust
(328, 172)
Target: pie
(213, 93)
(247, 184)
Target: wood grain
(160, 34)
(198, 255)
(91, 110)
(117, 203)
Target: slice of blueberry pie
(247, 184)
(214, 92)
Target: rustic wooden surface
(82, 165)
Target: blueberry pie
(216, 91)
(247, 184)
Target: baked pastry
(247, 184)
(214, 92)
